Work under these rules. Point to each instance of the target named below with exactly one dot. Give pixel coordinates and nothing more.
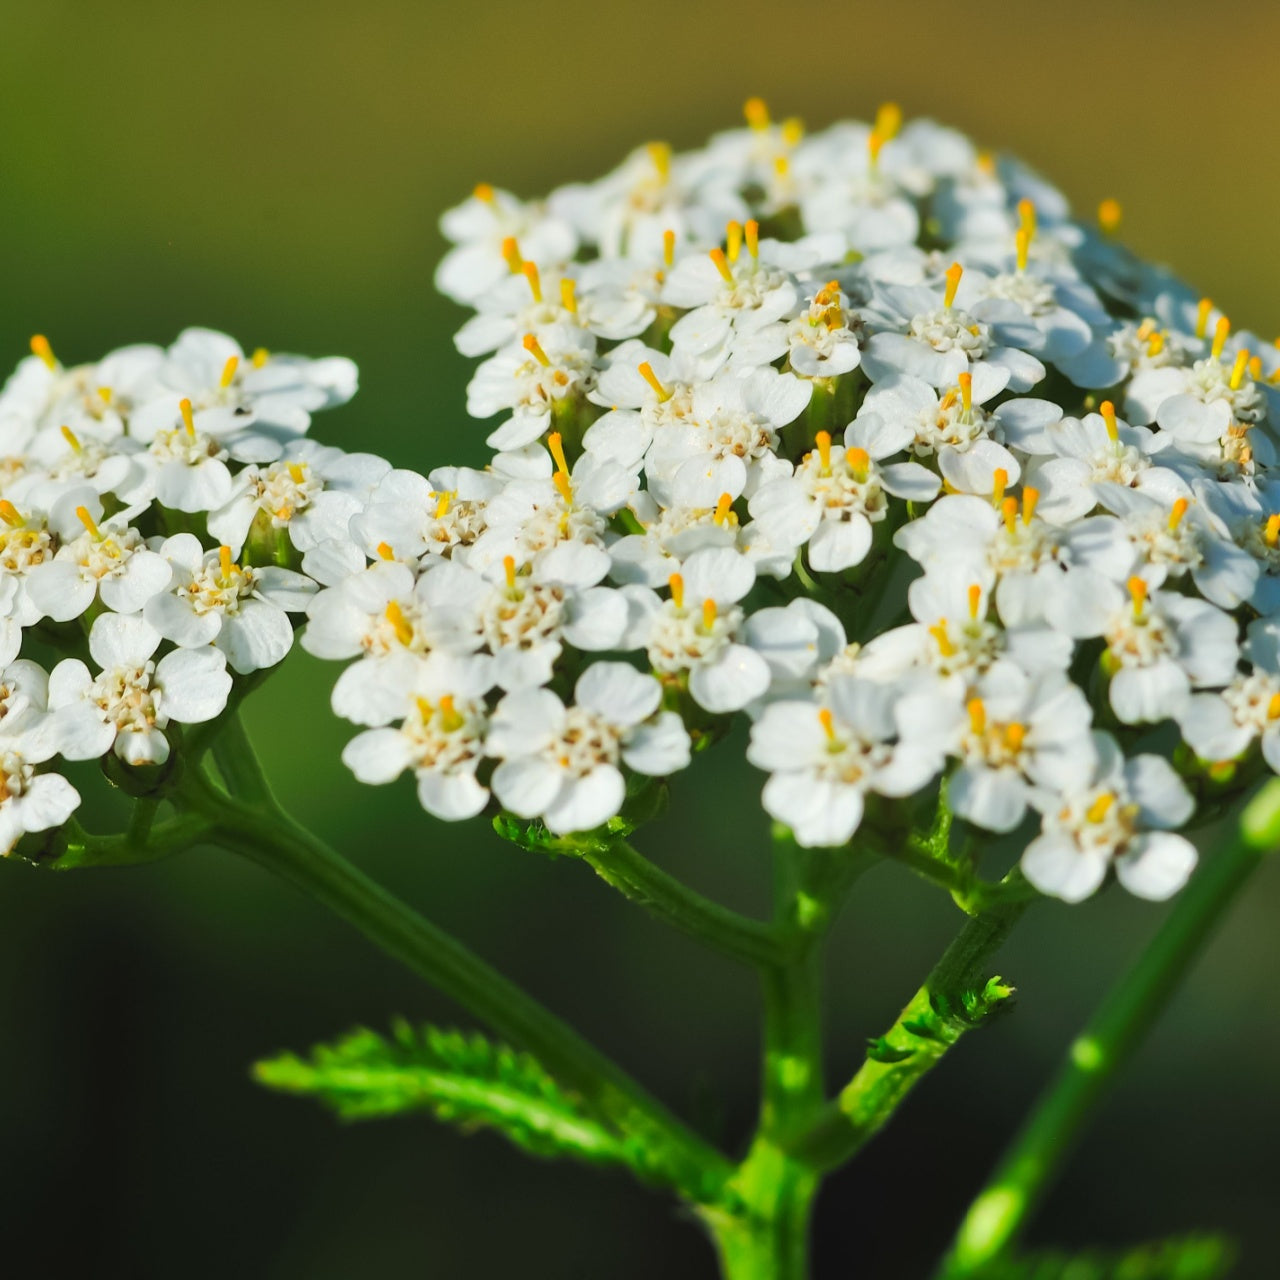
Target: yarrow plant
(856, 437)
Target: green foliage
(1198, 1257)
(472, 1083)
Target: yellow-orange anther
(1110, 215)
(385, 552)
(1155, 343)
(1027, 218)
(72, 439)
(722, 266)
(229, 372)
(1009, 510)
(224, 563)
(708, 614)
(977, 715)
(534, 348)
(1255, 367)
(954, 272)
(646, 372)
(975, 600)
(1272, 533)
(823, 442)
(1000, 482)
(875, 144)
(1108, 411)
(859, 461)
(1138, 590)
(966, 391)
(9, 513)
(399, 623)
(732, 240)
(1220, 332)
(511, 253)
(668, 247)
(781, 166)
(724, 508)
(483, 192)
(756, 112)
(555, 442)
(1237, 369)
(828, 723)
(1273, 707)
(939, 632)
(1022, 246)
(888, 120)
(752, 233)
(188, 418)
(1100, 807)
(424, 709)
(530, 273)
(564, 486)
(40, 347)
(1014, 736)
(676, 583)
(986, 164)
(260, 357)
(443, 503)
(105, 393)
(509, 570)
(1202, 317)
(1030, 500)
(568, 295)
(91, 527)
(660, 155)
(792, 131)
(1179, 510)
(296, 473)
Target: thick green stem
(1000, 1213)
(237, 761)
(273, 840)
(954, 998)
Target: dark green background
(277, 171)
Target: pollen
(1155, 344)
(224, 563)
(646, 372)
(555, 443)
(229, 372)
(954, 272)
(733, 241)
(296, 474)
(1202, 317)
(511, 253)
(1138, 590)
(509, 569)
(966, 391)
(676, 583)
(1022, 244)
(385, 552)
(859, 462)
(975, 600)
(669, 247)
(1238, 369)
(708, 614)
(828, 722)
(399, 623)
(875, 144)
(939, 632)
(483, 192)
(1014, 736)
(1272, 533)
(9, 513)
(568, 296)
(1099, 809)
(1009, 510)
(823, 442)
(40, 347)
(534, 348)
(443, 503)
(1108, 411)
(888, 120)
(90, 525)
(1179, 510)
(724, 509)
(1110, 215)
(530, 272)
(792, 131)
(1030, 500)
(260, 357)
(1273, 707)
(1220, 333)
(1000, 482)
(977, 715)
(188, 418)
(72, 439)
(722, 266)
(757, 113)
(752, 232)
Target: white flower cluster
(857, 432)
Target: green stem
(953, 999)
(237, 761)
(273, 840)
(1001, 1211)
(640, 881)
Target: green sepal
(879, 1049)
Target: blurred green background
(277, 171)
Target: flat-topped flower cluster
(857, 433)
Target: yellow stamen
(1155, 344)
(40, 347)
(1027, 218)
(947, 402)
(260, 357)
(1237, 370)
(875, 144)
(534, 348)
(646, 372)
(888, 120)
(723, 509)
(1255, 367)
(399, 623)
(1022, 246)
(966, 391)
(660, 155)
(828, 723)
(188, 418)
(708, 614)
(229, 371)
(717, 256)
(555, 442)
(1108, 411)
(1272, 533)
(72, 439)
(1014, 736)
(424, 709)
(975, 600)
(296, 473)
(568, 296)
(443, 503)
(9, 513)
(939, 632)
(757, 113)
(1009, 510)
(954, 272)
(977, 716)
(1100, 807)
(1220, 332)
(823, 441)
(483, 192)
(669, 247)
(792, 132)
(509, 568)
(1030, 498)
(511, 253)
(530, 272)
(385, 551)
(752, 232)
(986, 163)
(104, 394)
(1000, 481)
(1179, 510)
(676, 583)
(859, 462)
(224, 563)
(1273, 707)
(733, 241)
(450, 720)
(1202, 317)
(91, 527)
(1138, 590)
(563, 485)
(1109, 215)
